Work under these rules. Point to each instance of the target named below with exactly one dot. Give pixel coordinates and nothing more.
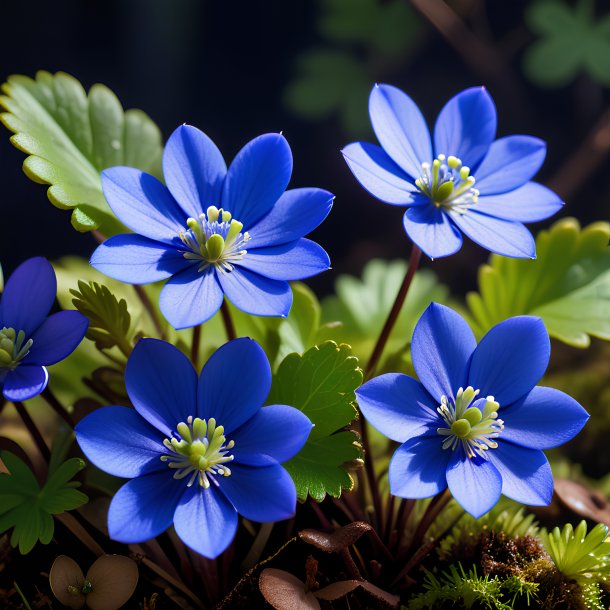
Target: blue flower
(197, 451)
(436, 180)
(215, 232)
(31, 339)
(475, 420)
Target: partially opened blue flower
(30, 338)
(198, 451)
(475, 421)
(215, 232)
(460, 181)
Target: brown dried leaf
(65, 572)
(338, 540)
(285, 591)
(114, 579)
(583, 501)
(337, 589)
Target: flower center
(201, 451)
(13, 348)
(448, 184)
(473, 426)
(214, 239)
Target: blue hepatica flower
(461, 181)
(213, 232)
(197, 451)
(30, 338)
(475, 421)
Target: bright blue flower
(436, 179)
(215, 232)
(475, 420)
(30, 338)
(197, 451)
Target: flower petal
(510, 359)
(57, 337)
(274, 435)
(466, 126)
(398, 406)
(191, 297)
(257, 178)
(378, 174)
(292, 261)
(526, 473)
(161, 383)
(137, 260)
(296, 213)
(400, 128)
(510, 163)
(417, 469)
(475, 483)
(144, 507)
(529, 203)
(193, 169)
(234, 383)
(28, 295)
(432, 231)
(142, 203)
(121, 442)
(441, 348)
(263, 494)
(500, 236)
(543, 418)
(256, 294)
(205, 521)
(25, 382)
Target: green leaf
(321, 384)
(567, 285)
(27, 508)
(71, 137)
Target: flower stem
(195, 345)
(33, 430)
(54, 403)
(149, 307)
(370, 474)
(228, 321)
(394, 312)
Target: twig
(34, 431)
(70, 523)
(228, 321)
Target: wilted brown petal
(65, 572)
(285, 591)
(335, 541)
(343, 587)
(114, 579)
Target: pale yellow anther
(226, 216)
(454, 162)
(212, 213)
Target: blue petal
(466, 126)
(137, 260)
(293, 261)
(378, 174)
(398, 406)
(500, 236)
(120, 442)
(257, 178)
(510, 359)
(234, 383)
(510, 163)
(543, 418)
(400, 128)
(274, 435)
(57, 337)
(296, 213)
(142, 203)
(29, 295)
(193, 169)
(144, 507)
(475, 483)
(205, 521)
(431, 230)
(256, 294)
(417, 469)
(191, 297)
(441, 348)
(260, 494)
(530, 203)
(161, 383)
(526, 473)
(25, 382)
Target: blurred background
(238, 69)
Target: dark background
(226, 68)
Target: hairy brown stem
(34, 431)
(150, 308)
(228, 321)
(57, 406)
(195, 345)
